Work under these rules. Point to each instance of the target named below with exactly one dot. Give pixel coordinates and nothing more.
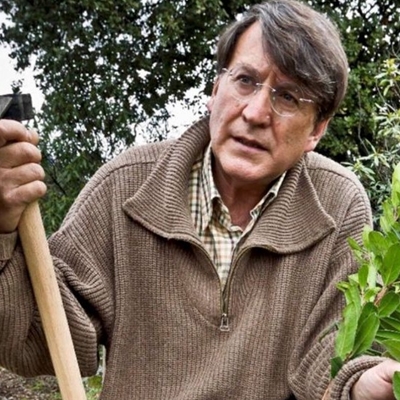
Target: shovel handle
(48, 298)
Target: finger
(14, 131)
(19, 186)
(16, 202)
(34, 137)
(389, 367)
(19, 153)
(21, 175)
(22, 195)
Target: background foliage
(107, 66)
(382, 153)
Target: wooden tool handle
(48, 298)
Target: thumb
(388, 368)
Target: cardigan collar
(295, 221)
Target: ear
(316, 135)
(210, 101)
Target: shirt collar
(209, 192)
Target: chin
(246, 176)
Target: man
(207, 265)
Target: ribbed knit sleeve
(23, 347)
(345, 199)
(7, 245)
(349, 374)
(81, 250)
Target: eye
(287, 96)
(243, 76)
(246, 80)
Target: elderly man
(207, 265)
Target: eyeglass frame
(257, 86)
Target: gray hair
(303, 44)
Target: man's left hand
(376, 383)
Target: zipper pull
(224, 327)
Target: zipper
(224, 302)
(224, 326)
(225, 297)
(224, 323)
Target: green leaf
(396, 385)
(347, 332)
(396, 288)
(383, 334)
(365, 236)
(388, 304)
(353, 280)
(393, 348)
(336, 364)
(396, 186)
(351, 292)
(368, 325)
(390, 268)
(370, 294)
(395, 198)
(372, 275)
(343, 286)
(390, 323)
(354, 245)
(94, 382)
(387, 219)
(394, 235)
(396, 230)
(378, 244)
(363, 273)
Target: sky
(8, 75)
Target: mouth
(250, 143)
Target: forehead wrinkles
(249, 48)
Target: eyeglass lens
(286, 99)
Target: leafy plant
(375, 168)
(371, 318)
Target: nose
(258, 108)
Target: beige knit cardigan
(135, 277)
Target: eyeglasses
(286, 99)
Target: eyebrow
(248, 68)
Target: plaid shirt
(211, 217)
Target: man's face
(253, 145)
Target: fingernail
(28, 135)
